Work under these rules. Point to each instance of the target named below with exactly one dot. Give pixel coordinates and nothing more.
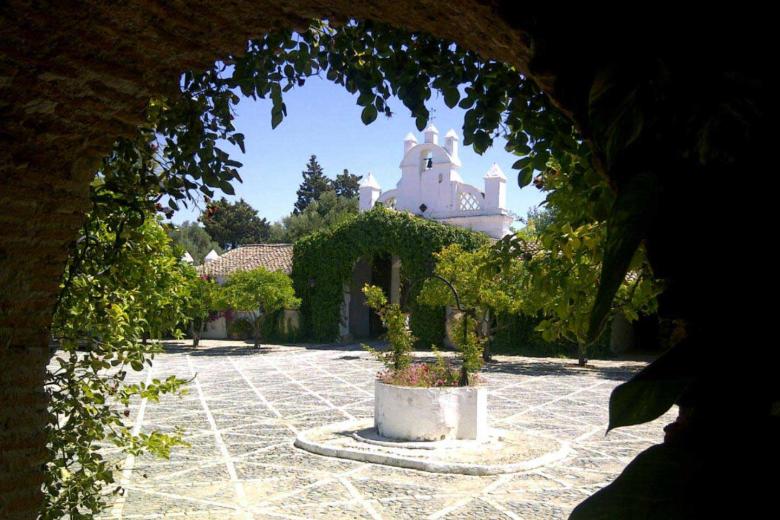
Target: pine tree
(347, 185)
(233, 225)
(314, 184)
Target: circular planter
(430, 414)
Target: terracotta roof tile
(273, 257)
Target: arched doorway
(363, 321)
(380, 246)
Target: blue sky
(323, 119)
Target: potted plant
(422, 401)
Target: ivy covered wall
(323, 261)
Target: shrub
(240, 328)
(422, 375)
(399, 336)
(397, 359)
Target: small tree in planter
(205, 297)
(394, 320)
(397, 359)
(259, 293)
(441, 402)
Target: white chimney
(369, 192)
(495, 188)
(431, 134)
(451, 143)
(410, 141)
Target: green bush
(428, 326)
(273, 331)
(516, 334)
(240, 328)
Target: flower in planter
(421, 375)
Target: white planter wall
(430, 414)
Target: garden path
(245, 406)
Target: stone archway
(330, 269)
(73, 80)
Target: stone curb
(303, 442)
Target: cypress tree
(314, 184)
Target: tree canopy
(314, 184)
(259, 293)
(234, 224)
(124, 284)
(324, 213)
(205, 297)
(193, 239)
(347, 185)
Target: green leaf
(653, 485)
(524, 177)
(276, 118)
(632, 213)
(654, 390)
(365, 98)
(368, 115)
(227, 187)
(451, 97)
(239, 140)
(521, 163)
(466, 102)
(539, 160)
(421, 121)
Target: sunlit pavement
(245, 406)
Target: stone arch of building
(324, 264)
(74, 78)
(420, 153)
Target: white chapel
(431, 187)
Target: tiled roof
(273, 257)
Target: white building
(431, 187)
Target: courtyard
(245, 406)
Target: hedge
(323, 261)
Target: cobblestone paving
(245, 407)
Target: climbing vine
(128, 290)
(323, 261)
